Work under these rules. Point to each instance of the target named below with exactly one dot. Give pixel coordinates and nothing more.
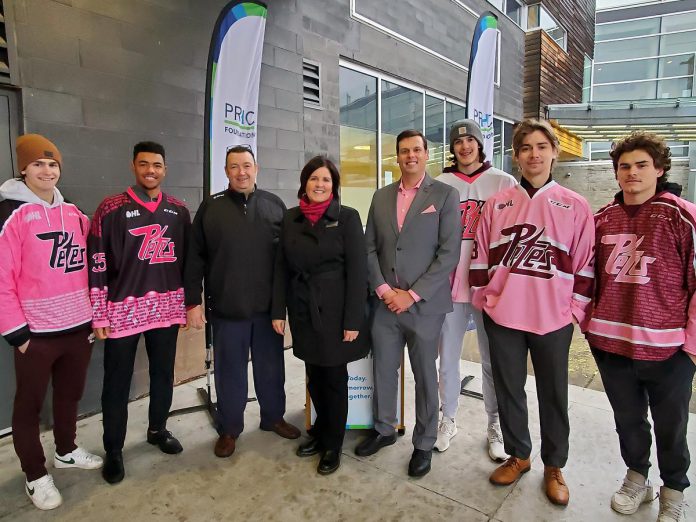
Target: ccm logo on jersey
(559, 204)
(171, 211)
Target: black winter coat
(321, 275)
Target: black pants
(328, 388)
(119, 358)
(549, 353)
(665, 386)
(233, 340)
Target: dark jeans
(549, 353)
(328, 388)
(63, 359)
(119, 358)
(232, 341)
(664, 386)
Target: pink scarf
(314, 211)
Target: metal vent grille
(311, 83)
(4, 59)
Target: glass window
(675, 88)
(402, 108)
(679, 149)
(676, 66)
(435, 134)
(625, 91)
(678, 43)
(678, 22)
(627, 29)
(599, 150)
(586, 79)
(539, 17)
(607, 4)
(625, 71)
(454, 112)
(627, 49)
(358, 139)
(507, 148)
(512, 8)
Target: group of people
(524, 261)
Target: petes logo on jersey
(66, 254)
(132, 213)
(471, 214)
(527, 254)
(626, 262)
(156, 247)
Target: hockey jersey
(136, 258)
(43, 266)
(645, 270)
(531, 267)
(473, 190)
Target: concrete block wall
(596, 181)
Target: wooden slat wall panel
(554, 74)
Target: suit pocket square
(429, 210)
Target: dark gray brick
(43, 105)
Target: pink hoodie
(43, 265)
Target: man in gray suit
(413, 240)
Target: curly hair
(653, 144)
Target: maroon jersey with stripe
(136, 259)
(645, 276)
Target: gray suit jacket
(423, 255)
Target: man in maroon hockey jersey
(642, 330)
(137, 245)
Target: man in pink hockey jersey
(531, 275)
(642, 330)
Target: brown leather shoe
(224, 447)
(556, 489)
(284, 429)
(510, 471)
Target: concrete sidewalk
(264, 480)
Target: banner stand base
(463, 391)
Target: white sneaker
(78, 458)
(496, 450)
(634, 491)
(43, 493)
(672, 506)
(445, 432)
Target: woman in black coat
(321, 277)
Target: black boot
(309, 448)
(113, 471)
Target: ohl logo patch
(65, 254)
(156, 247)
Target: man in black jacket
(233, 247)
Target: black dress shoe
(330, 461)
(312, 447)
(373, 443)
(113, 471)
(166, 442)
(420, 463)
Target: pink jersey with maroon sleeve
(532, 266)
